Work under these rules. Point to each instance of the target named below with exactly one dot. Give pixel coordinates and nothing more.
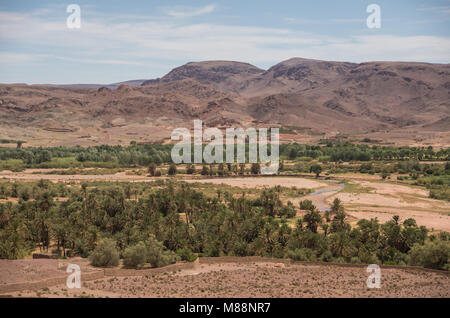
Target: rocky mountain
(222, 75)
(323, 96)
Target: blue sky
(123, 40)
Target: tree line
(143, 155)
(174, 221)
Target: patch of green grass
(356, 188)
(15, 165)
(10, 141)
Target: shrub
(256, 168)
(172, 170)
(152, 169)
(287, 211)
(157, 255)
(366, 257)
(80, 248)
(301, 254)
(365, 167)
(135, 256)
(317, 169)
(307, 205)
(327, 256)
(434, 255)
(24, 194)
(105, 254)
(240, 248)
(190, 169)
(186, 254)
(340, 260)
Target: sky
(125, 40)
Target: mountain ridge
(325, 96)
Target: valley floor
(364, 196)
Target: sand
(387, 200)
(260, 182)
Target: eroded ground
(234, 278)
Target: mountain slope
(338, 97)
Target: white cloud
(9, 57)
(348, 20)
(319, 21)
(183, 12)
(158, 45)
(443, 9)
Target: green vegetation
(105, 156)
(434, 254)
(439, 185)
(186, 254)
(157, 255)
(356, 188)
(105, 254)
(413, 165)
(135, 256)
(161, 222)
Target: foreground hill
(391, 101)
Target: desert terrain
(229, 277)
(364, 148)
(397, 103)
(383, 200)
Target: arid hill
(399, 102)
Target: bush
(135, 256)
(190, 169)
(172, 170)
(256, 168)
(327, 256)
(24, 194)
(434, 255)
(301, 254)
(105, 254)
(307, 205)
(186, 254)
(287, 211)
(240, 248)
(157, 255)
(152, 169)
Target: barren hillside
(391, 101)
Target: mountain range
(391, 101)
